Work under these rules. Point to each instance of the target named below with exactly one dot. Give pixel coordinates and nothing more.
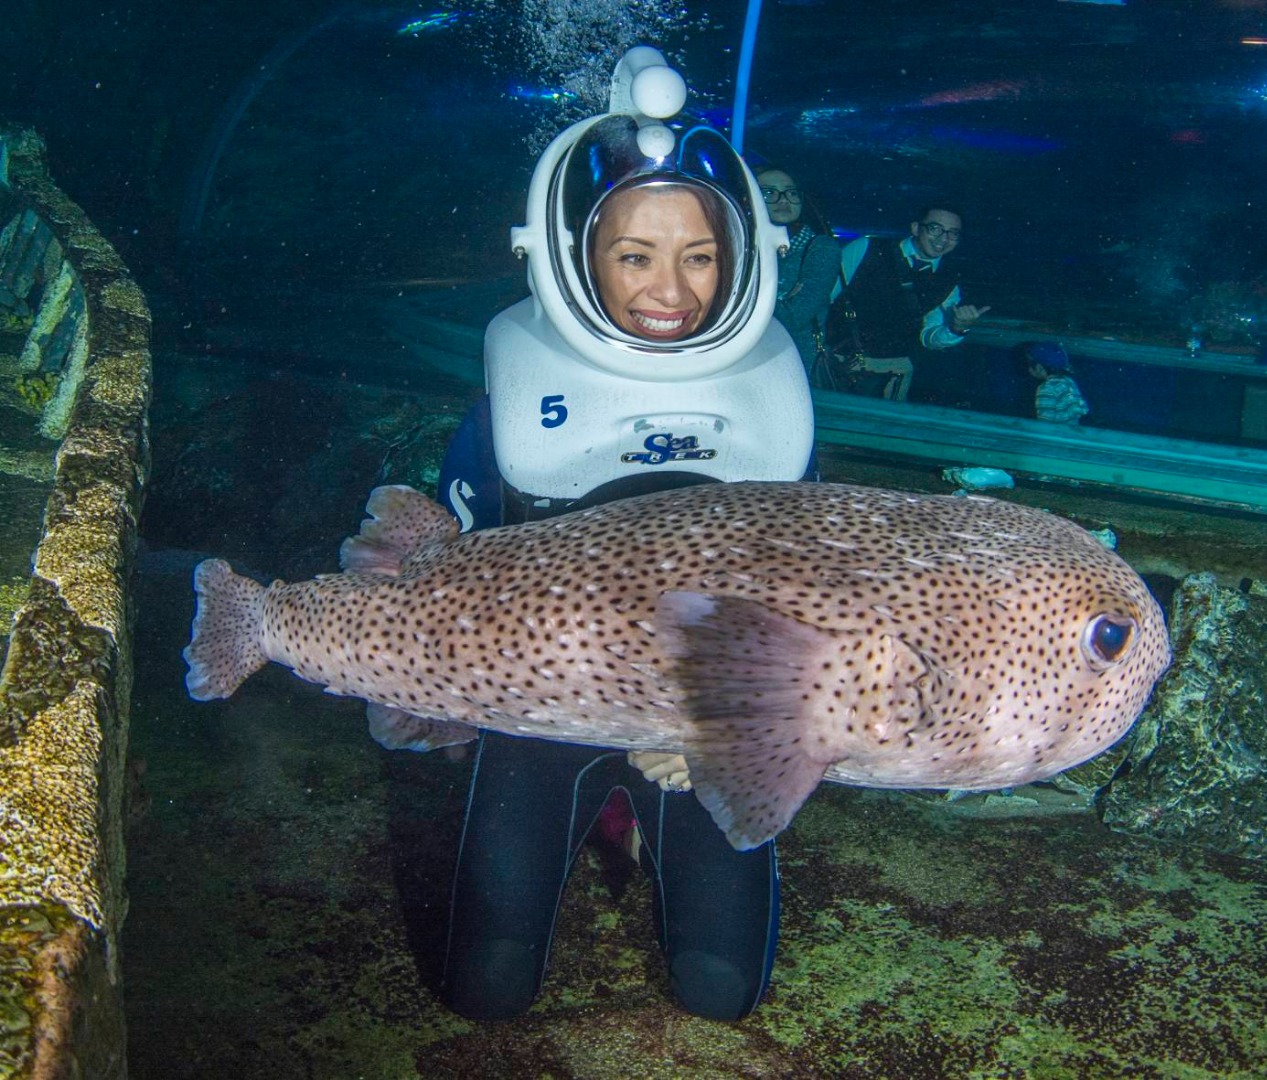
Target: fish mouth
(668, 324)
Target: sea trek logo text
(658, 449)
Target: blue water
(1108, 159)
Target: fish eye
(1107, 639)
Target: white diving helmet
(644, 139)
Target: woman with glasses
(901, 299)
(807, 271)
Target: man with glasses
(899, 298)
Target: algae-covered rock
(1195, 766)
(66, 682)
(1092, 776)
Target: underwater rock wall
(1196, 768)
(66, 682)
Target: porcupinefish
(775, 633)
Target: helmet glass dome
(605, 163)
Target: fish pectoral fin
(402, 524)
(395, 729)
(762, 721)
(749, 794)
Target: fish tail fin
(225, 644)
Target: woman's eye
(700, 260)
(634, 258)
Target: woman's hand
(667, 770)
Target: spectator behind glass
(904, 299)
(1057, 398)
(807, 271)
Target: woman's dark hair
(718, 221)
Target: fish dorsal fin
(767, 708)
(395, 729)
(402, 523)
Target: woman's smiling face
(655, 262)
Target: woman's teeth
(659, 326)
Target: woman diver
(647, 357)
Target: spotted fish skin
(776, 633)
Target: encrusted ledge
(84, 369)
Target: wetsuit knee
(495, 980)
(711, 986)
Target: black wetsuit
(530, 807)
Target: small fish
(775, 633)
